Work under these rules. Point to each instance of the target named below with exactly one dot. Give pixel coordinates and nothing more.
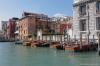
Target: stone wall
(92, 20)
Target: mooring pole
(69, 39)
(60, 38)
(88, 34)
(99, 44)
(75, 38)
(93, 40)
(80, 40)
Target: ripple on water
(18, 55)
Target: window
(98, 5)
(98, 23)
(82, 10)
(17, 28)
(30, 26)
(24, 31)
(82, 25)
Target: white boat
(18, 42)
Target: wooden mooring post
(93, 39)
(99, 44)
(80, 40)
(69, 39)
(75, 38)
(60, 38)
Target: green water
(18, 55)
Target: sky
(15, 8)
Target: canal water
(18, 55)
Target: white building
(1, 35)
(86, 18)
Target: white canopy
(16, 32)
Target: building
(31, 23)
(4, 28)
(86, 18)
(2, 37)
(63, 24)
(10, 29)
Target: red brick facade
(10, 34)
(64, 27)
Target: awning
(16, 32)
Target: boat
(54, 44)
(34, 43)
(27, 43)
(18, 42)
(60, 47)
(43, 44)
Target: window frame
(82, 26)
(82, 9)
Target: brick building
(30, 23)
(10, 29)
(63, 24)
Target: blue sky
(11, 8)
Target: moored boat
(60, 47)
(54, 44)
(18, 42)
(27, 43)
(43, 44)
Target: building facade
(63, 24)
(10, 29)
(4, 28)
(2, 37)
(86, 18)
(30, 23)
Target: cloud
(59, 15)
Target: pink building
(11, 29)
